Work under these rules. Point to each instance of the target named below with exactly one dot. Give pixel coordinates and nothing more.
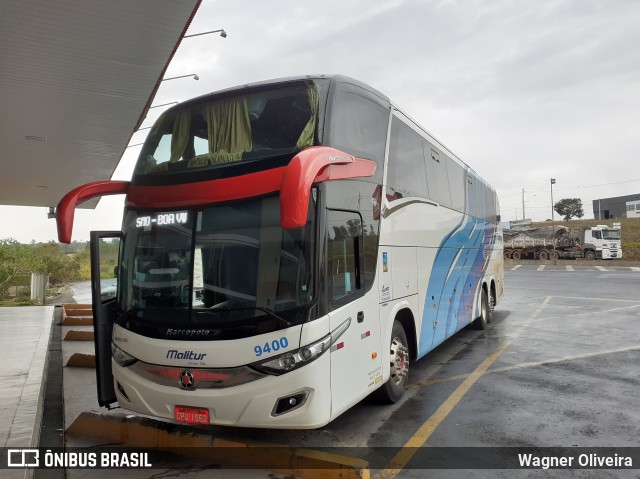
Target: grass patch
(16, 303)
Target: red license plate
(191, 415)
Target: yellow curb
(145, 432)
(81, 360)
(74, 335)
(70, 321)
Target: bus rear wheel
(393, 390)
(482, 321)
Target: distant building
(605, 208)
(633, 209)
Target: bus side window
(457, 181)
(344, 258)
(437, 177)
(407, 174)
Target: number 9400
(275, 345)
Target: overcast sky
(521, 91)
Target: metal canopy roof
(76, 80)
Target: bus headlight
(120, 357)
(291, 360)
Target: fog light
(289, 403)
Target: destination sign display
(163, 219)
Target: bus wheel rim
(399, 361)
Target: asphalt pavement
(556, 368)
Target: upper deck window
(248, 125)
(359, 127)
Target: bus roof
(334, 78)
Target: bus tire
(482, 321)
(393, 390)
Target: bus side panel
(424, 328)
(356, 358)
(424, 226)
(459, 268)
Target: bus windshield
(225, 267)
(247, 125)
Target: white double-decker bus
(288, 248)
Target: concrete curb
(81, 360)
(145, 432)
(77, 321)
(74, 335)
(77, 314)
(75, 306)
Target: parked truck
(595, 242)
(602, 242)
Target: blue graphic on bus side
(454, 283)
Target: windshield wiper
(267, 311)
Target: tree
(16, 261)
(52, 260)
(569, 207)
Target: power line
(593, 185)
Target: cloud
(522, 91)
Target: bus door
(356, 366)
(104, 247)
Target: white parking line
(570, 268)
(516, 267)
(541, 267)
(602, 268)
(633, 268)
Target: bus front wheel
(393, 389)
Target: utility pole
(599, 210)
(523, 215)
(553, 226)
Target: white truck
(601, 242)
(595, 242)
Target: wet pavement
(556, 368)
